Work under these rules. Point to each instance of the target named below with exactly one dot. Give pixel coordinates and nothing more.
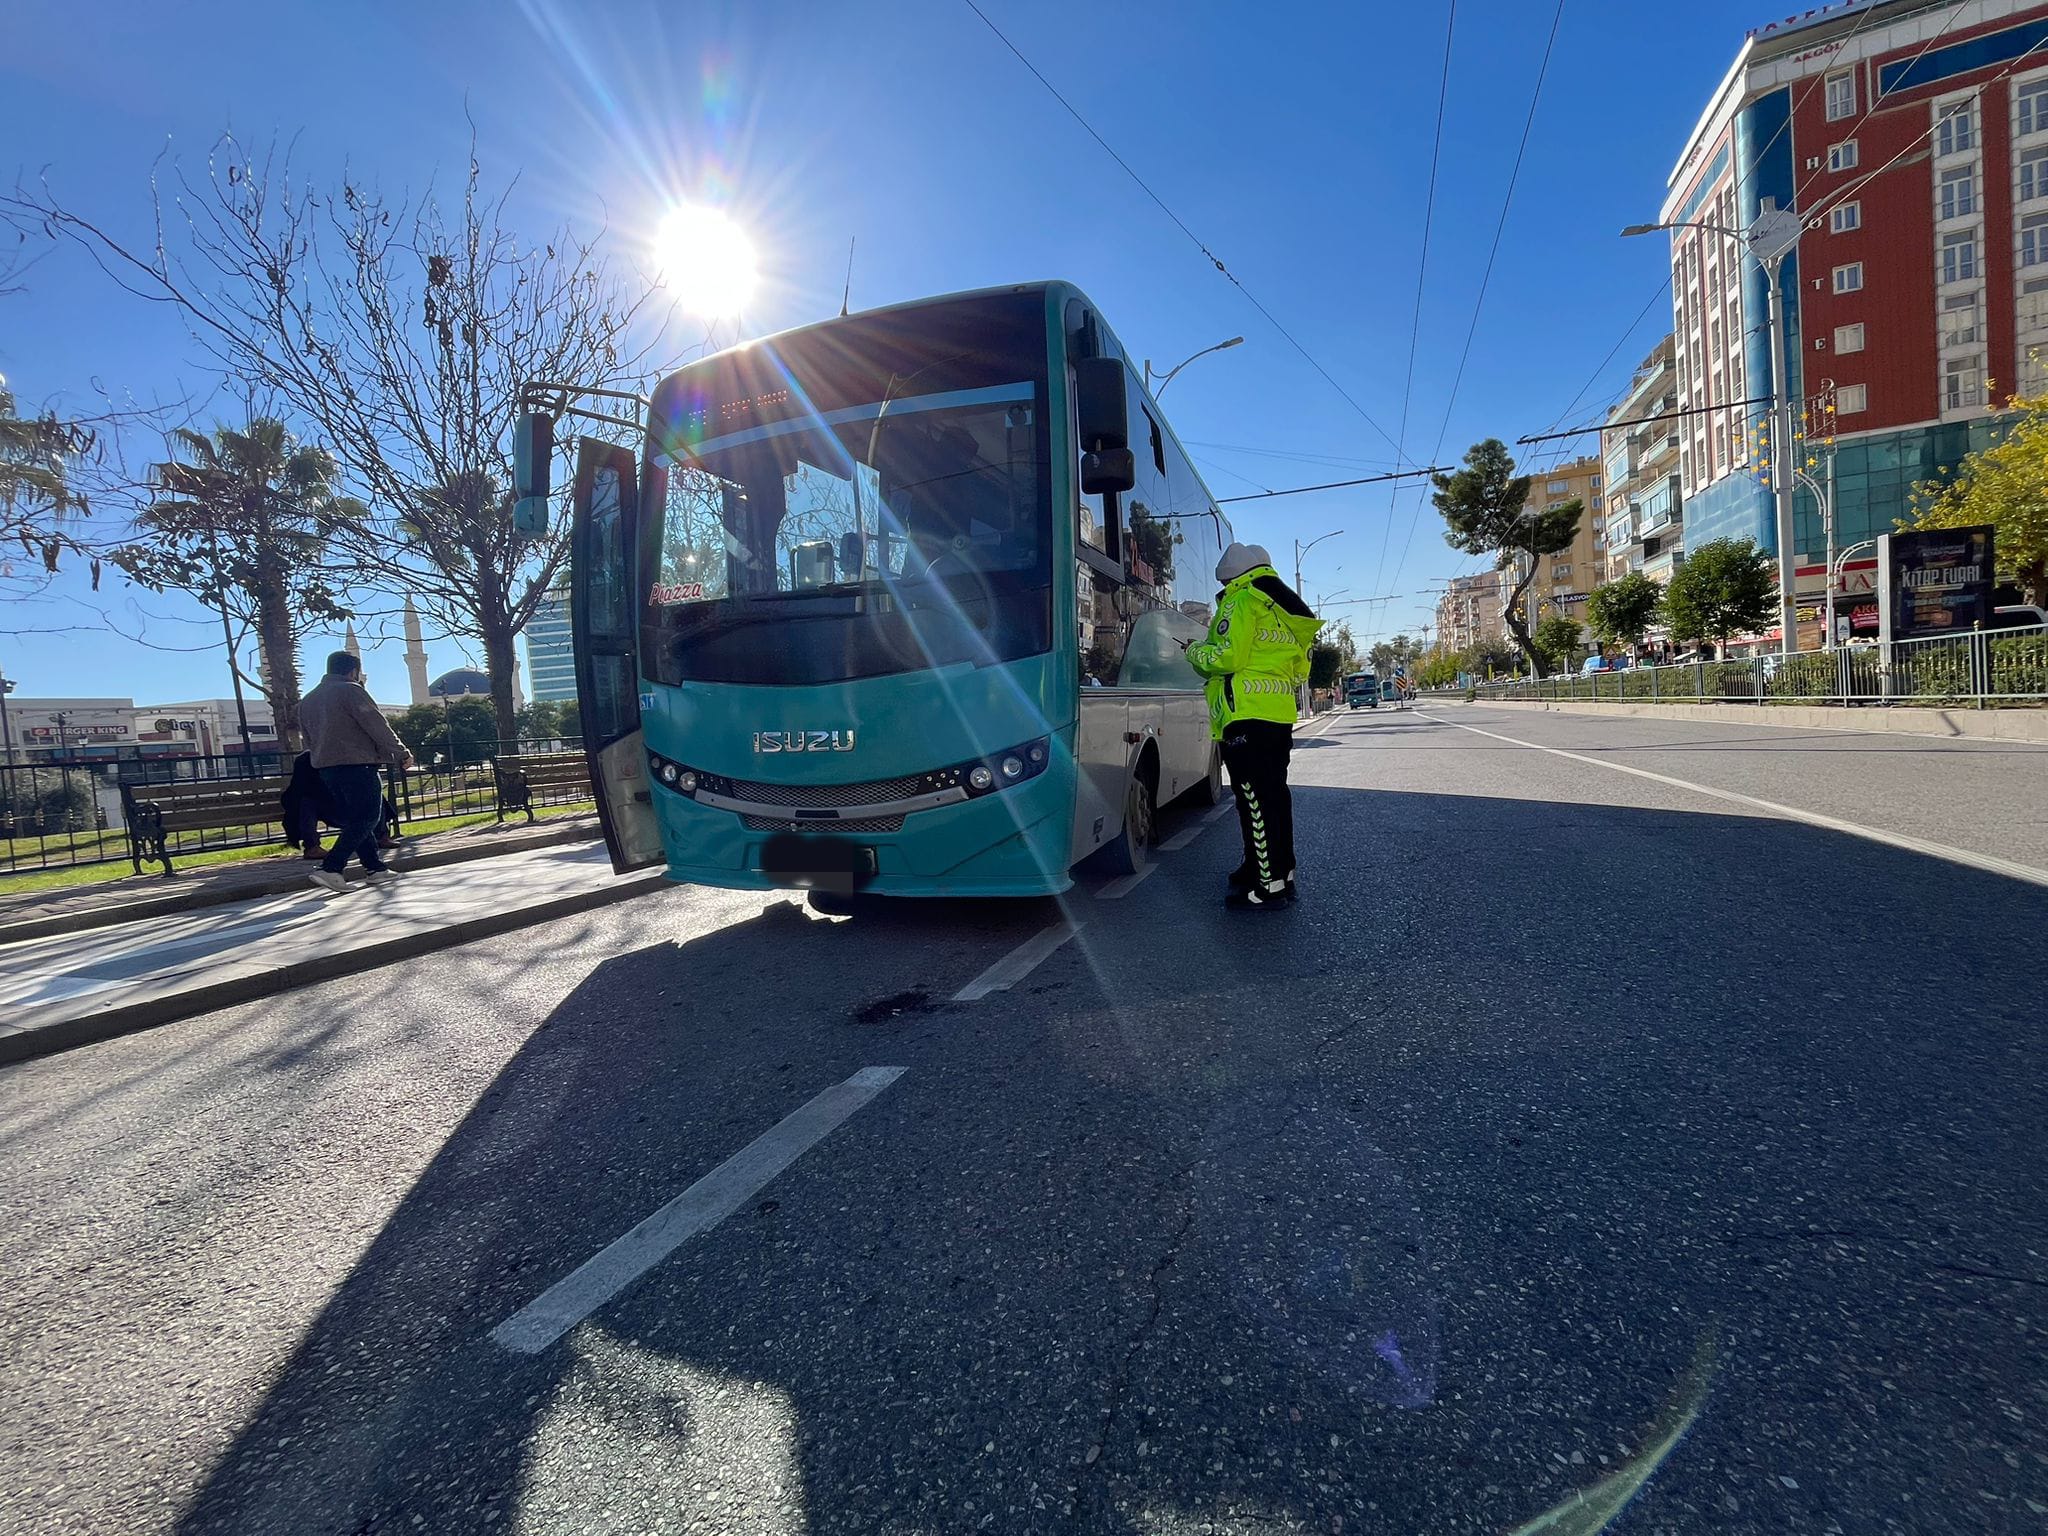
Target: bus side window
(1101, 637)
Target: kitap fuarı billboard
(1934, 581)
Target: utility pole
(6, 730)
(1772, 238)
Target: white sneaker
(381, 877)
(328, 880)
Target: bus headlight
(670, 773)
(997, 771)
(687, 782)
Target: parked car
(1604, 664)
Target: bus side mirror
(533, 458)
(1101, 403)
(1113, 470)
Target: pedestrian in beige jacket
(351, 742)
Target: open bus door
(604, 622)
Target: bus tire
(1131, 849)
(1209, 790)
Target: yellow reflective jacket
(1256, 653)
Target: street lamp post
(1770, 238)
(1300, 549)
(6, 730)
(1166, 378)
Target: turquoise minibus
(896, 602)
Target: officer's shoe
(1243, 878)
(1262, 894)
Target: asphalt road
(1580, 1136)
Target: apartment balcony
(1659, 510)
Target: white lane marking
(1187, 835)
(697, 1209)
(1123, 885)
(1017, 964)
(1983, 861)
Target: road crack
(1095, 1468)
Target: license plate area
(817, 863)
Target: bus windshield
(865, 497)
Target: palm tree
(241, 520)
(36, 490)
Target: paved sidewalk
(35, 914)
(70, 988)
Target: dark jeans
(1256, 753)
(356, 791)
(306, 833)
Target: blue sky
(1294, 139)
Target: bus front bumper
(1014, 843)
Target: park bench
(551, 777)
(157, 812)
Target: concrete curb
(62, 1035)
(2027, 725)
(42, 926)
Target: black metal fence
(1982, 668)
(57, 814)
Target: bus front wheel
(1131, 851)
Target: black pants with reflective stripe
(1256, 753)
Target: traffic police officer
(1254, 657)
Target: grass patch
(68, 877)
(108, 873)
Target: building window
(1558, 487)
(1851, 398)
(2033, 104)
(2033, 305)
(1961, 385)
(1959, 320)
(2034, 240)
(1958, 192)
(1954, 129)
(1849, 338)
(1841, 96)
(1849, 278)
(2033, 372)
(2033, 174)
(1845, 218)
(1959, 256)
(1842, 156)
(1560, 573)
(1960, 388)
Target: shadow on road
(1408, 1206)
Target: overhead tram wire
(1181, 224)
(1436, 149)
(1486, 277)
(1337, 485)
(1843, 193)
(1637, 421)
(1871, 106)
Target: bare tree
(397, 332)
